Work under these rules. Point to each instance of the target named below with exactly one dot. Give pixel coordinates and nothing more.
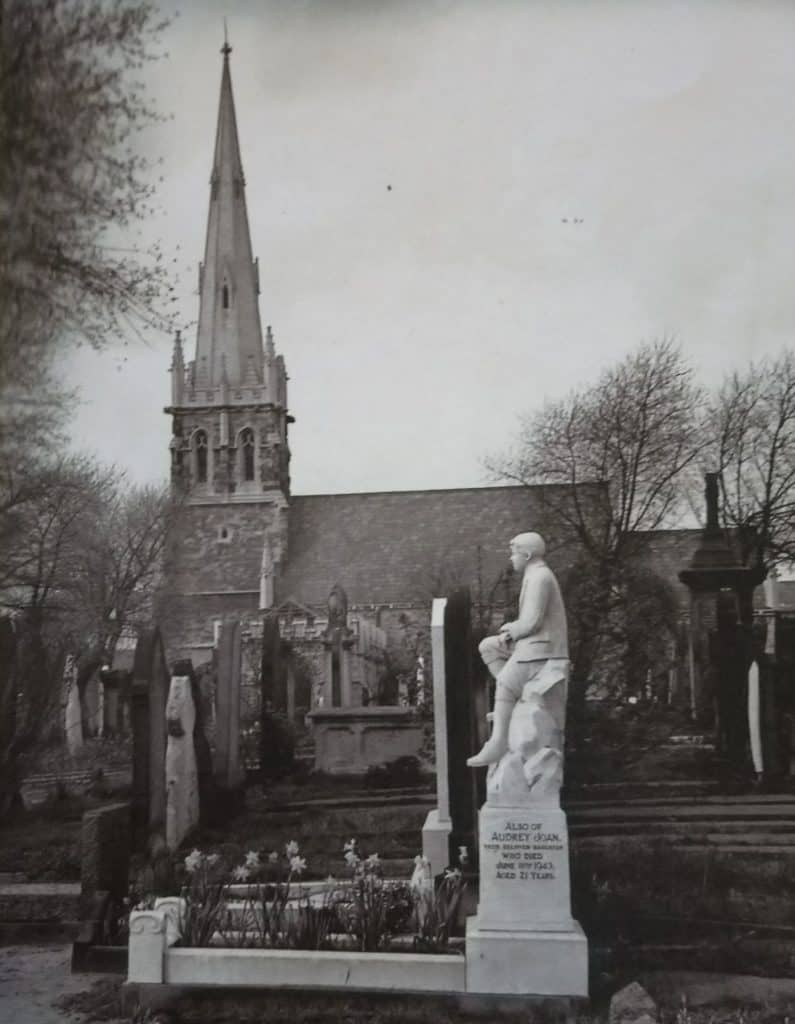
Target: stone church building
(244, 542)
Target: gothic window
(225, 296)
(200, 444)
(247, 453)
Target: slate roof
(399, 547)
(405, 547)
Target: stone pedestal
(524, 939)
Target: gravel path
(34, 978)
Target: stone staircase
(40, 787)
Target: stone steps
(34, 909)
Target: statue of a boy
(529, 656)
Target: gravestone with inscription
(523, 939)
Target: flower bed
(257, 924)
(262, 903)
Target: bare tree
(621, 449)
(752, 428)
(80, 564)
(72, 182)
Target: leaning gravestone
(524, 939)
(201, 744)
(148, 696)
(182, 777)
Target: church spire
(229, 323)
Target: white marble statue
(182, 778)
(529, 661)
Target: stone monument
(351, 739)
(182, 777)
(523, 939)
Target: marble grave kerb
(523, 939)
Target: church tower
(229, 451)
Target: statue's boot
(497, 744)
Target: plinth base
(526, 962)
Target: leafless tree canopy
(71, 177)
(635, 432)
(752, 444)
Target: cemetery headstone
(182, 777)
(105, 851)
(73, 718)
(466, 791)
(276, 747)
(148, 696)
(227, 769)
(201, 744)
(523, 939)
(438, 825)
(457, 708)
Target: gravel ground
(34, 978)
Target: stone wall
(213, 569)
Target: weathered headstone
(276, 752)
(105, 851)
(73, 717)
(226, 762)
(182, 777)
(201, 744)
(148, 696)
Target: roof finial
(226, 49)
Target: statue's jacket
(540, 631)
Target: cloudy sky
(463, 208)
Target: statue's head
(526, 547)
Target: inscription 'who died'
(522, 852)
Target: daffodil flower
(291, 849)
(241, 873)
(252, 859)
(297, 864)
(193, 860)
